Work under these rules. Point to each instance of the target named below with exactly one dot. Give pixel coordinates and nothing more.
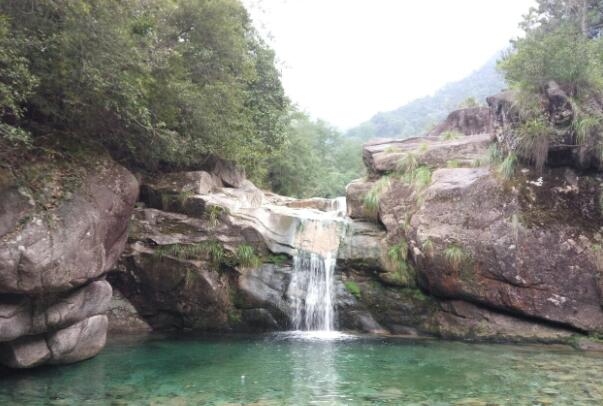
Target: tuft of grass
(183, 196)
(427, 246)
(181, 251)
(585, 125)
(494, 155)
(354, 289)
(391, 150)
(372, 198)
(423, 147)
(408, 164)
(476, 163)
(278, 259)
(216, 252)
(246, 256)
(398, 253)
(422, 177)
(453, 163)
(212, 215)
(451, 135)
(455, 256)
(508, 166)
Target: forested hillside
(160, 84)
(417, 116)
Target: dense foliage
(416, 117)
(316, 160)
(562, 49)
(159, 82)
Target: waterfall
(311, 291)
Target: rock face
(52, 296)
(500, 259)
(468, 121)
(182, 268)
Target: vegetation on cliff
(557, 69)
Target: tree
(158, 82)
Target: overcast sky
(345, 60)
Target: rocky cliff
(522, 253)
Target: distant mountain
(418, 116)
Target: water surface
(290, 369)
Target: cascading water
(312, 285)
(312, 289)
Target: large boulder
(529, 249)
(63, 225)
(467, 121)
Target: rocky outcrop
(182, 268)
(384, 156)
(467, 121)
(499, 259)
(57, 241)
(558, 146)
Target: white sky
(345, 60)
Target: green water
(283, 370)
